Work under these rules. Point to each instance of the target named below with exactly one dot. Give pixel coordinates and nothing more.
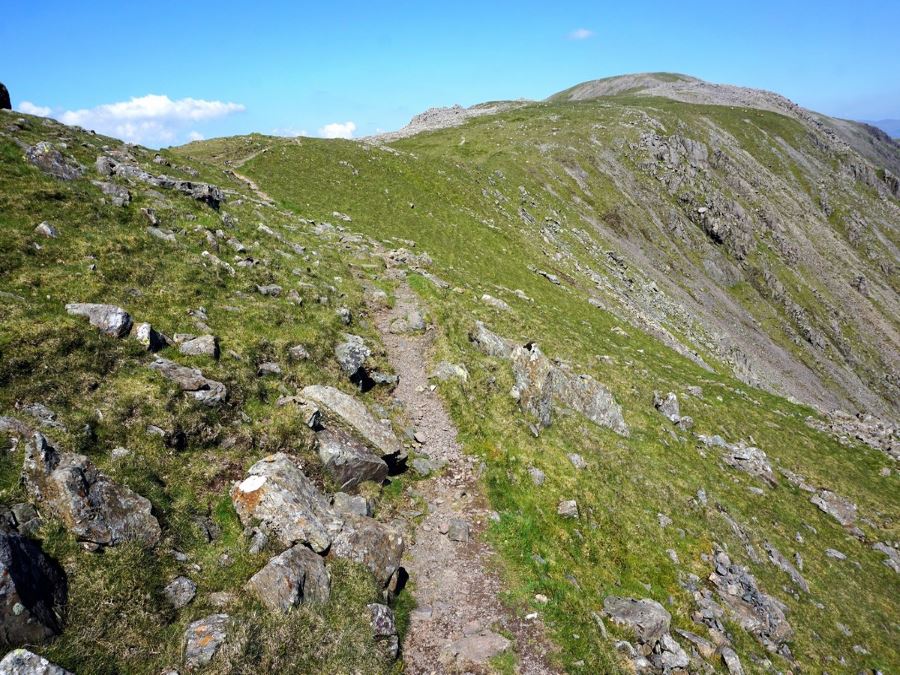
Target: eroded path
(458, 620)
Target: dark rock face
(5, 103)
(349, 461)
(203, 192)
(32, 592)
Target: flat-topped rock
(192, 381)
(354, 415)
(295, 576)
(349, 461)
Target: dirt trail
(458, 616)
(249, 182)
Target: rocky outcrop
(839, 508)
(24, 662)
(295, 576)
(192, 382)
(111, 320)
(32, 592)
(490, 343)
(743, 457)
(344, 410)
(347, 460)
(5, 103)
(285, 503)
(649, 623)
(370, 543)
(205, 345)
(93, 507)
(204, 192)
(51, 161)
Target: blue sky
(163, 72)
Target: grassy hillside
(457, 194)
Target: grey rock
(298, 353)
(192, 382)
(458, 530)
(585, 395)
(577, 461)
(384, 628)
(345, 504)
(258, 540)
(348, 460)
(44, 416)
(273, 290)
(93, 507)
(32, 592)
(45, 229)
(24, 662)
(370, 543)
(490, 343)
(152, 339)
(344, 315)
(205, 345)
(731, 661)
(351, 413)
(648, 619)
(111, 320)
(445, 370)
(833, 553)
(51, 161)
(203, 639)
(835, 506)
(496, 303)
(782, 563)
(161, 233)
(285, 503)
(704, 647)
(351, 354)
(268, 368)
(119, 196)
(893, 555)
(295, 576)
(537, 476)
(180, 591)
(567, 508)
(668, 406)
(534, 386)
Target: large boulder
(534, 382)
(295, 576)
(351, 353)
(647, 619)
(5, 103)
(490, 343)
(585, 395)
(110, 319)
(93, 507)
(370, 543)
(24, 662)
(285, 503)
(205, 345)
(192, 382)
(32, 592)
(347, 460)
(353, 414)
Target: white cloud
(195, 136)
(338, 130)
(30, 108)
(580, 34)
(289, 132)
(153, 119)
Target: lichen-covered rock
(384, 628)
(353, 414)
(180, 591)
(286, 504)
(295, 576)
(351, 353)
(203, 638)
(534, 382)
(192, 382)
(51, 161)
(24, 662)
(370, 543)
(445, 370)
(93, 507)
(347, 460)
(32, 592)
(148, 336)
(585, 395)
(835, 506)
(112, 320)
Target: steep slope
(653, 244)
(614, 301)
